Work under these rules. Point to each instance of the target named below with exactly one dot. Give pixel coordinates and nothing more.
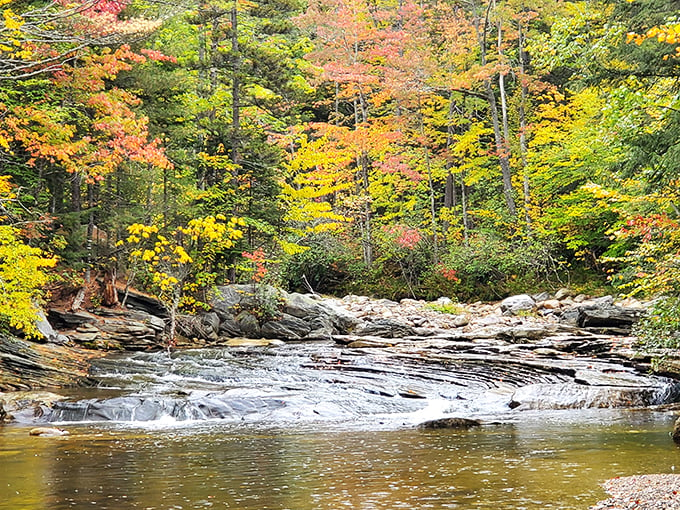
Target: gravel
(642, 492)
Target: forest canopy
(466, 148)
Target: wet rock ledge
(585, 341)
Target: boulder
(248, 324)
(48, 432)
(321, 328)
(578, 396)
(26, 406)
(450, 423)
(386, 328)
(229, 328)
(676, 431)
(563, 293)
(69, 320)
(611, 317)
(514, 305)
(139, 301)
(232, 299)
(549, 304)
(301, 305)
(286, 328)
(205, 326)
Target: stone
(549, 304)
(386, 328)
(229, 328)
(460, 320)
(612, 317)
(143, 302)
(286, 328)
(229, 299)
(48, 432)
(541, 296)
(252, 342)
(676, 431)
(563, 293)
(596, 303)
(248, 324)
(69, 320)
(516, 304)
(301, 305)
(578, 396)
(450, 423)
(570, 317)
(26, 406)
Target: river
(286, 428)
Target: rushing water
(285, 429)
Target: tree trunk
(501, 144)
(524, 93)
(235, 88)
(110, 297)
(463, 201)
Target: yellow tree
(180, 263)
(22, 275)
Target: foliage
(660, 327)
(180, 264)
(450, 308)
(22, 273)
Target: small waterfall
(319, 381)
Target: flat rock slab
(642, 492)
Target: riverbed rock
(139, 301)
(48, 432)
(26, 365)
(119, 330)
(608, 317)
(578, 396)
(288, 327)
(514, 305)
(450, 423)
(248, 324)
(26, 406)
(676, 431)
(386, 328)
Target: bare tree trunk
(463, 201)
(502, 147)
(524, 91)
(235, 88)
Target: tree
(22, 272)
(41, 38)
(180, 264)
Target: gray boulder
(517, 304)
(248, 325)
(286, 328)
(301, 305)
(386, 328)
(450, 423)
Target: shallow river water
(302, 454)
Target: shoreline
(641, 492)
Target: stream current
(316, 426)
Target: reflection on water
(545, 461)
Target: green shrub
(660, 327)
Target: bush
(660, 328)
(491, 268)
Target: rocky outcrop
(26, 365)
(255, 311)
(111, 329)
